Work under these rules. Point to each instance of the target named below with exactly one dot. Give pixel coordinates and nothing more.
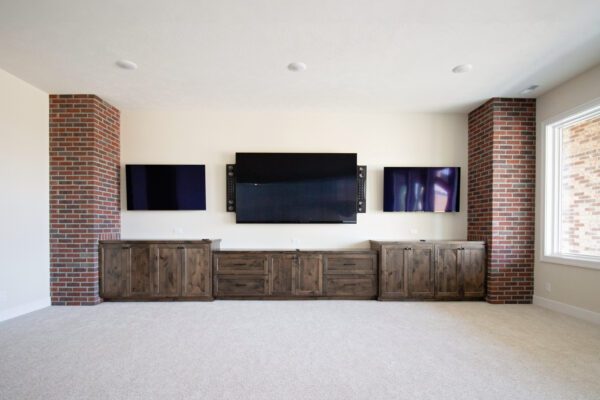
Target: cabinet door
(472, 268)
(115, 270)
(196, 271)
(392, 283)
(142, 276)
(168, 259)
(309, 275)
(420, 271)
(281, 274)
(447, 259)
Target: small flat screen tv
(165, 187)
(433, 189)
(295, 188)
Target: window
(571, 215)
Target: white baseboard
(24, 309)
(568, 309)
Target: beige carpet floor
(299, 350)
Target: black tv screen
(165, 187)
(295, 188)
(434, 189)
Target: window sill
(571, 261)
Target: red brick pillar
(501, 200)
(84, 193)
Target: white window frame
(551, 139)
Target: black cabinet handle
(349, 264)
(239, 264)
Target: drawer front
(241, 286)
(351, 264)
(241, 264)
(351, 285)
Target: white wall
(573, 289)
(213, 137)
(24, 170)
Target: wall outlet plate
(548, 287)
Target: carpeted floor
(299, 350)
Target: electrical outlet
(3, 296)
(548, 287)
(177, 231)
(414, 231)
(294, 242)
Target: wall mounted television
(295, 187)
(165, 187)
(433, 189)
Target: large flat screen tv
(295, 188)
(434, 189)
(165, 187)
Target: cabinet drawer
(241, 264)
(241, 286)
(351, 285)
(351, 264)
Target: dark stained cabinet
(241, 286)
(460, 271)
(281, 272)
(309, 275)
(141, 267)
(240, 263)
(148, 270)
(168, 269)
(114, 262)
(240, 275)
(351, 286)
(447, 262)
(444, 270)
(392, 280)
(420, 269)
(295, 274)
(350, 275)
(196, 271)
(472, 267)
(407, 271)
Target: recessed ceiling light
(126, 64)
(297, 66)
(462, 68)
(529, 89)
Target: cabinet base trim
(133, 299)
(416, 299)
(285, 298)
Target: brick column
(84, 193)
(501, 200)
